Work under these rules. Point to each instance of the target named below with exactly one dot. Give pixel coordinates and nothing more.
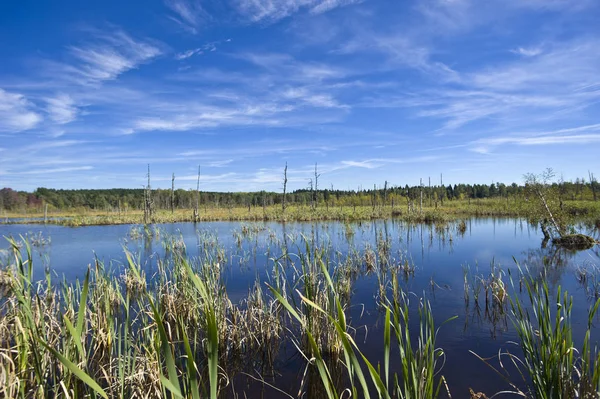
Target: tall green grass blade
(321, 366)
(166, 352)
(386, 348)
(79, 373)
(168, 384)
(74, 334)
(191, 365)
(348, 344)
(212, 331)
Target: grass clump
(551, 365)
(175, 334)
(556, 367)
(575, 242)
(420, 359)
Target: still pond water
(439, 256)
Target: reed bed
(175, 334)
(450, 211)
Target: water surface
(439, 254)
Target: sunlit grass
(451, 210)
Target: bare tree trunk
(197, 210)
(312, 196)
(385, 193)
(421, 191)
(593, 184)
(284, 187)
(543, 199)
(443, 189)
(316, 186)
(148, 201)
(373, 196)
(173, 194)
(430, 191)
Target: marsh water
(440, 255)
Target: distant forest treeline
(105, 199)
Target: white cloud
(534, 89)
(198, 116)
(326, 5)
(110, 56)
(274, 10)
(305, 95)
(379, 162)
(208, 47)
(443, 17)
(62, 109)
(189, 14)
(449, 15)
(187, 54)
(284, 67)
(17, 113)
(219, 163)
(563, 67)
(398, 49)
(54, 170)
(528, 52)
(577, 135)
(362, 164)
(554, 5)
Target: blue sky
(479, 90)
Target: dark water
(439, 256)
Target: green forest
(121, 198)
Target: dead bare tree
(373, 202)
(197, 209)
(429, 191)
(539, 185)
(173, 194)
(421, 192)
(284, 187)
(148, 203)
(593, 184)
(317, 175)
(312, 196)
(385, 193)
(442, 191)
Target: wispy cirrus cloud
(553, 5)
(275, 89)
(563, 68)
(576, 135)
(199, 116)
(274, 10)
(528, 51)
(398, 49)
(375, 163)
(443, 17)
(105, 57)
(188, 14)
(550, 85)
(208, 47)
(305, 95)
(285, 66)
(17, 113)
(46, 171)
(61, 108)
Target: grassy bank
(451, 210)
